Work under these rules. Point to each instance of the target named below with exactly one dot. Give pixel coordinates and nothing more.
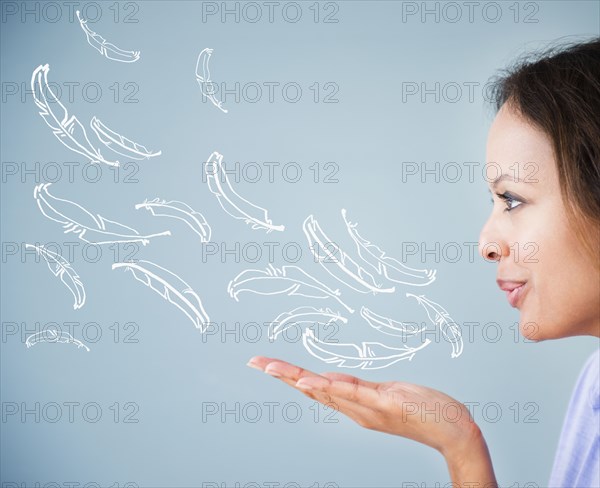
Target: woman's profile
(547, 113)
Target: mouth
(515, 291)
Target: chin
(542, 329)
(532, 330)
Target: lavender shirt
(577, 459)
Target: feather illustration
(345, 267)
(52, 335)
(302, 315)
(66, 128)
(289, 280)
(369, 355)
(171, 287)
(390, 326)
(180, 211)
(440, 317)
(90, 228)
(389, 267)
(230, 201)
(203, 78)
(63, 270)
(120, 144)
(108, 50)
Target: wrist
(469, 462)
(469, 440)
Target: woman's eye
(510, 201)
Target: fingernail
(312, 383)
(274, 374)
(253, 365)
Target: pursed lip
(513, 289)
(508, 285)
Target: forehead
(518, 148)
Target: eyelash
(508, 198)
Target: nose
(492, 246)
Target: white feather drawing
(302, 315)
(120, 144)
(88, 227)
(288, 280)
(337, 263)
(180, 211)
(391, 268)
(236, 206)
(66, 128)
(171, 287)
(204, 80)
(108, 50)
(441, 318)
(52, 335)
(369, 355)
(63, 270)
(390, 326)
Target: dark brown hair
(558, 90)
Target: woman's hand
(423, 414)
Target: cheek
(564, 297)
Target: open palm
(416, 412)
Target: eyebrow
(506, 176)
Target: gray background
(172, 372)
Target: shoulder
(587, 388)
(576, 462)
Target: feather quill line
(358, 357)
(180, 211)
(195, 313)
(317, 241)
(214, 171)
(282, 275)
(389, 326)
(43, 198)
(51, 335)
(67, 129)
(204, 78)
(300, 315)
(62, 269)
(107, 49)
(120, 144)
(385, 264)
(449, 328)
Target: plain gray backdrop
(179, 408)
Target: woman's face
(529, 236)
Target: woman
(543, 162)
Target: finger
(287, 373)
(290, 374)
(352, 392)
(355, 411)
(350, 379)
(260, 362)
(282, 369)
(361, 414)
(322, 397)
